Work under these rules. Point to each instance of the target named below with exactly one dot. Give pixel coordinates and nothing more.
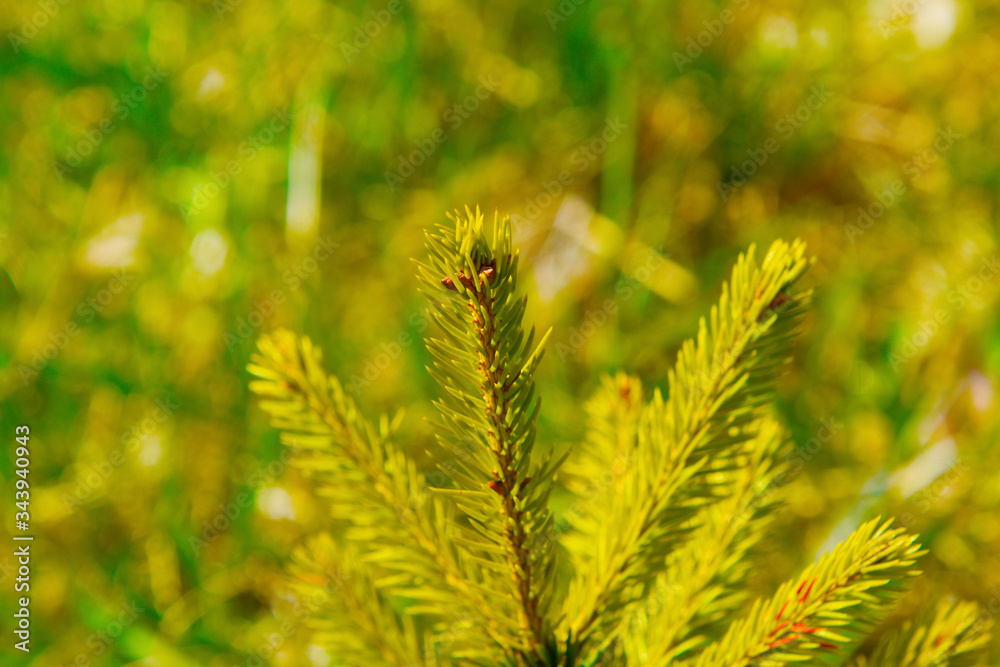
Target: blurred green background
(178, 177)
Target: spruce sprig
(806, 618)
(485, 365)
(716, 389)
(704, 581)
(348, 610)
(372, 484)
(953, 635)
(672, 496)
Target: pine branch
(703, 582)
(671, 496)
(485, 365)
(346, 610)
(371, 483)
(716, 388)
(954, 637)
(595, 472)
(807, 618)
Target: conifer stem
(518, 555)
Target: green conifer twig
(338, 445)
(668, 494)
(955, 635)
(806, 617)
(486, 367)
(716, 387)
(345, 608)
